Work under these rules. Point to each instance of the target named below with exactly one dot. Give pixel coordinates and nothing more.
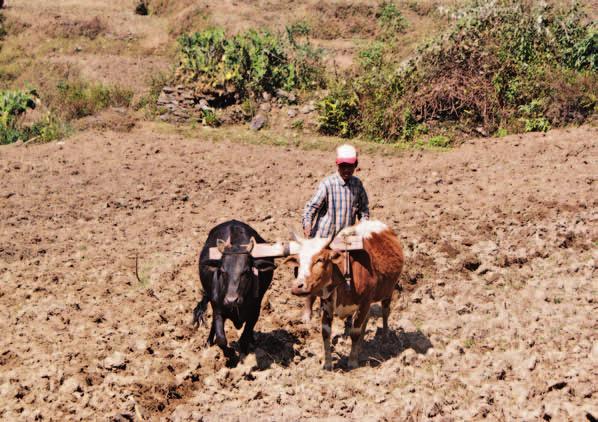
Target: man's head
(346, 160)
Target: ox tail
(200, 310)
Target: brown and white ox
(375, 272)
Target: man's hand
(306, 232)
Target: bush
(49, 128)
(230, 68)
(79, 99)
(148, 101)
(439, 141)
(210, 118)
(12, 105)
(339, 112)
(498, 58)
(390, 20)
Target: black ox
(235, 284)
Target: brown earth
(501, 243)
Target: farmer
(338, 202)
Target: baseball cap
(346, 154)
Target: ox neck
(337, 280)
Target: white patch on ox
(345, 311)
(367, 227)
(309, 247)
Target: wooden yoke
(282, 249)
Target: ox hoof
(353, 364)
(327, 366)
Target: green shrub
(49, 128)
(249, 63)
(496, 60)
(79, 99)
(371, 56)
(12, 105)
(411, 128)
(390, 19)
(501, 132)
(297, 124)
(210, 118)
(339, 112)
(439, 141)
(148, 101)
(536, 124)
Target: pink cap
(346, 154)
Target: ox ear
(291, 261)
(222, 244)
(211, 264)
(251, 244)
(263, 265)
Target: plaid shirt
(335, 205)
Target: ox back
(233, 285)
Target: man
(338, 202)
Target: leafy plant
(12, 105)
(148, 101)
(339, 113)
(297, 124)
(79, 99)
(371, 56)
(231, 68)
(390, 19)
(501, 132)
(498, 58)
(209, 118)
(439, 141)
(48, 128)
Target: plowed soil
(500, 322)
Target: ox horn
(295, 236)
(222, 244)
(328, 242)
(251, 244)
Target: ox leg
(327, 315)
(309, 301)
(385, 314)
(247, 336)
(212, 333)
(219, 329)
(348, 325)
(360, 322)
(220, 336)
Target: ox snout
(299, 288)
(233, 300)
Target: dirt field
(501, 239)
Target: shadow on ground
(272, 347)
(384, 347)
